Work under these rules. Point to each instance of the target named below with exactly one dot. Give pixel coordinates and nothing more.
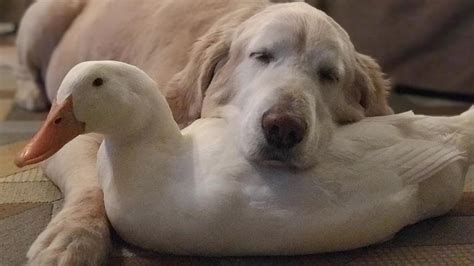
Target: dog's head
(284, 78)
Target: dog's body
(156, 36)
(290, 66)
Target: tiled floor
(28, 200)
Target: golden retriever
(284, 75)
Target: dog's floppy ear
(186, 89)
(367, 94)
(373, 86)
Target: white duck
(191, 192)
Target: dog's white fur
(206, 65)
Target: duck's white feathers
(415, 146)
(378, 175)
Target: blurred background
(425, 47)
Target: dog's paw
(74, 237)
(28, 96)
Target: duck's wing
(455, 131)
(416, 160)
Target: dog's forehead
(296, 23)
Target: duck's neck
(134, 162)
(157, 128)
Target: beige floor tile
(7, 79)
(11, 127)
(7, 155)
(15, 137)
(29, 192)
(7, 73)
(18, 232)
(21, 115)
(8, 56)
(10, 209)
(30, 175)
(5, 107)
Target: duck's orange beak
(59, 128)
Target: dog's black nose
(283, 130)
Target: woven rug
(28, 200)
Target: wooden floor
(28, 200)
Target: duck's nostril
(58, 120)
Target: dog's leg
(29, 95)
(79, 233)
(41, 29)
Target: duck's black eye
(97, 82)
(328, 75)
(262, 57)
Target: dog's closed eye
(263, 57)
(326, 74)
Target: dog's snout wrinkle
(283, 130)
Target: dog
(284, 76)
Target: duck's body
(193, 192)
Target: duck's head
(107, 97)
